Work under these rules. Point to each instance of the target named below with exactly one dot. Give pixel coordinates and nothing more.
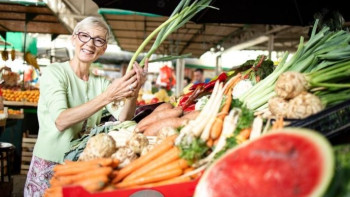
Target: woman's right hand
(122, 88)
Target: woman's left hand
(141, 75)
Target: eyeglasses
(84, 37)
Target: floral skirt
(38, 177)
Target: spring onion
(180, 16)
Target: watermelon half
(288, 162)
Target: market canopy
(131, 28)
(275, 12)
(250, 24)
(29, 17)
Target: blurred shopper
(198, 76)
(72, 99)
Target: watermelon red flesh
(276, 165)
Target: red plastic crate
(185, 189)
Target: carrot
(114, 174)
(108, 188)
(191, 169)
(94, 184)
(215, 142)
(153, 129)
(232, 82)
(243, 135)
(165, 158)
(154, 153)
(279, 123)
(150, 179)
(179, 179)
(75, 170)
(179, 163)
(66, 180)
(157, 116)
(219, 121)
(70, 164)
(54, 189)
(115, 163)
(210, 142)
(163, 106)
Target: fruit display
(31, 96)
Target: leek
(324, 60)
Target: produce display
(231, 133)
(31, 96)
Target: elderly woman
(72, 99)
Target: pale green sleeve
(114, 110)
(54, 91)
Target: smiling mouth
(87, 51)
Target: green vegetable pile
(193, 151)
(325, 61)
(340, 186)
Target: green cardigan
(60, 89)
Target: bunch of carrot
(93, 175)
(217, 126)
(279, 123)
(162, 165)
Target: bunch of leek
(325, 61)
(180, 16)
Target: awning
(274, 12)
(39, 18)
(252, 24)
(131, 28)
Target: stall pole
(270, 44)
(180, 70)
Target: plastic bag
(166, 77)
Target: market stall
(257, 130)
(18, 49)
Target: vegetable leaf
(193, 151)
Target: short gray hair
(92, 21)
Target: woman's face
(85, 44)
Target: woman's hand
(122, 88)
(141, 74)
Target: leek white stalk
(186, 130)
(198, 129)
(229, 126)
(214, 112)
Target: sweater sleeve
(53, 88)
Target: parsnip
(256, 128)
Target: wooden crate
(27, 152)
(5, 163)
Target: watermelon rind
(316, 138)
